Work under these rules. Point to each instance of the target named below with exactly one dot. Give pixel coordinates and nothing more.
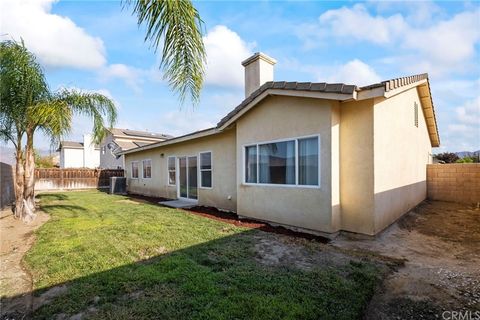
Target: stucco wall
(71, 158)
(356, 166)
(402, 152)
(283, 118)
(221, 145)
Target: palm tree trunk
(19, 181)
(29, 193)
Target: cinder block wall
(7, 191)
(458, 182)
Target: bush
(447, 157)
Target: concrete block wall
(458, 182)
(7, 190)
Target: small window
(206, 169)
(147, 168)
(415, 110)
(172, 176)
(135, 169)
(308, 161)
(251, 164)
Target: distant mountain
(463, 154)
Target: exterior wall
(221, 145)
(91, 155)
(402, 152)
(107, 159)
(457, 182)
(283, 118)
(7, 184)
(356, 166)
(71, 158)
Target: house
(118, 140)
(316, 157)
(79, 154)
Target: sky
(97, 46)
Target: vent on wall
(415, 111)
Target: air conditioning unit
(118, 185)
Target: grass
(125, 260)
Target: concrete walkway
(179, 203)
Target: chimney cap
(259, 55)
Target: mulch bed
(232, 218)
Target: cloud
(463, 134)
(56, 40)
(225, 52)
(132, 77)
(357, 23)
(354, 72)
(443, 47)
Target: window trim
(296, 185)
(200, 169)
(131, 167)
(168, 171)
(143, 169)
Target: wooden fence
(69, 179)
(458, 182)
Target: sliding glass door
(188, 173)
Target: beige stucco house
(317, 157)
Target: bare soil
(440, 244)
(16, 238)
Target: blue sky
(97, 46)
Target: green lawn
(124, 260)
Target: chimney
(258, 70)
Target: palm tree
(21, 83)
(27, 105)
(178, 23)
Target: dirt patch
(439, 242)
(16, 239)
(282, 250)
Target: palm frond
(93, 105)
(178, 23)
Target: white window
(147, 168)
(172, 176)
(290, 162)
(206, 169)
(134, 169)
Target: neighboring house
(311, 156)
(79, 154)
(118, 140)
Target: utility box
(118, 185)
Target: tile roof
(397, 82)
